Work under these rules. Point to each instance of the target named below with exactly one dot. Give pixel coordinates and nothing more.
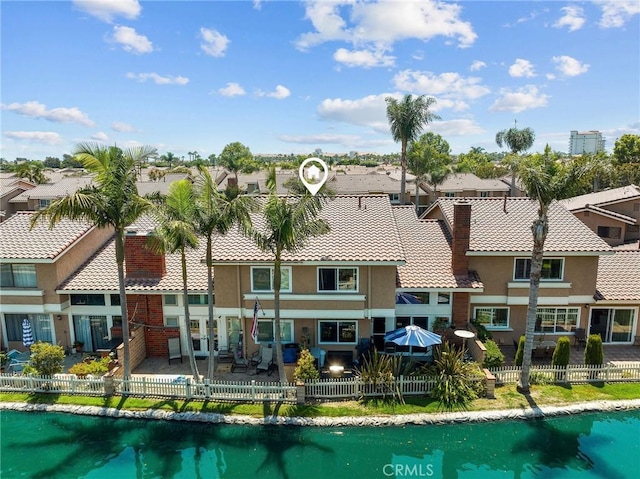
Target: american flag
(254, 325)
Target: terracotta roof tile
(619, 276)
(502, 226)
(428, 252)
(362, 230)
(18, 242)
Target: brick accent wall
(147, 309)
(461, 234)
(460, 310)
(141, 262)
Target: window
(42, 203)
(394, 197)
(444, 298)
(338, 332)
(170, 300)
(493, 317)
(449, 194)
(40, 325)
(633, 228)
(199, 299)
(267, 329)
(262, 279)
(115, 299)
(402, 321)
(556, 320)
(171, 321)
(338, 279)
(87, 299)
(551, 268)
(609, 231)
(484, 194)
(18, 276)
(117, 321)
(412, 298)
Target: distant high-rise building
(585, 142)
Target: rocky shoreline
(369, 421)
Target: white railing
(356, 388)
(617, 371)
(58, 383)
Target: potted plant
(77, 346)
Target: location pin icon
(312, 177)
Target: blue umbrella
(27, 333)
(413, 335)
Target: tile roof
(609, 213)
(9, 185)
(493, 229)
(64, 187)
(18, 242)
(619, 276)
(469, 181)
(365, 234)
(601, 198)
(100, 273)
(428, 252)
(358, 184)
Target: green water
(51, 446)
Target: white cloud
(131, 41)
(36, 109)
(107, 10)
(232, 89)
(459, 127)
(615, 13)
(280, 93)
(522, 68)
(446, 86)
(100, 136)
(158, 79)
(380, 24)
(525, 98)
(46, 137)
(477, 65)
(363, 58)
(213, 43)
(369, 111)
(569, 66)
(573, 18)
(122, 127)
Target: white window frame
(167, 320)
(283, 269)
(449, 194)
(515, 267)
(394, 197)
(484, 194)
(174, 296)
(492, 310)
(43, 203)
(273, 330)
(338, 290)
(555, 321)
(337, 321)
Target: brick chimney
(140, 261)
(461, 234)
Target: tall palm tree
(546, 179)
(111, 201)
(216, 213)
(289, 223)
(176, 232)
(407, 118)
(518, 141)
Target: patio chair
(224, 356)
(174, 349)
(266, 362)
(580, 337)
(239, 364)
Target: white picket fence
(57, 384)
(617, 371)
(344, 388)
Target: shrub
(306, 368)
(541, 378)
(47, 359)
(455, 386)
(593, 353)
(377, 370)
(95, 368)
(520, 351)
(494, 357)
(79, 369)
(4, 359)
(562, 353)
(483, 333)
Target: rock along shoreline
(369, 421)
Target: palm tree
(407, 118)
(517, 141)
(111, 201)
(176, 232)
(289, 223)
(216, 213)
(546, 179)
(428, 159)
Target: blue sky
(290, 77)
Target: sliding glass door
(614, 325)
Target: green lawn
(506, 398)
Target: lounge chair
(580, 338)
(17, 360)
(239, 364)
(224, 356)
(266, 361)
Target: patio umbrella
(27, 333)
(413, 335)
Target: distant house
(10, 187)
(613, 214)
(462, 185)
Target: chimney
(461, 234)
(140, 261)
